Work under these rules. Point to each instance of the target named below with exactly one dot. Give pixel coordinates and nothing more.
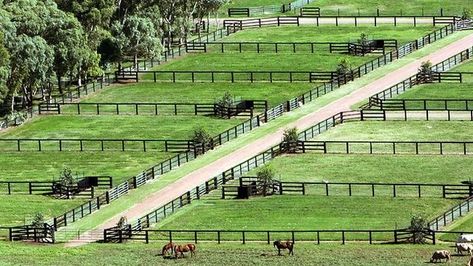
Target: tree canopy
(49, 44)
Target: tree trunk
(59, 85)
(135, 62)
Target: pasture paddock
(386, 7)
(228, 254)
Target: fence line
(54, 144)
(451, 215)
(410, 82)
(356, 188)
(152, 173)
(243, 236)
(234, 25)
(176, 161)
(293, 47)
(388, 147)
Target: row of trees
(45, 42)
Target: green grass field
(46, 165)
(312, 212)
(223, 254)
(444, 90)
(274, 93)
(15, 212)
(325, 33)
(367, 168)
(386, 7)
(119, 127)
(400, 131)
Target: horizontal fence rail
(410, 82)
(96, 145)
(389, 147)
(230, 174)
(148, 175)
(285, 47)
(367, 189)
(267, 236)
(426, 104)
(233, 25)
(451, 215)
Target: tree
(290, 140)
(66, 178)
(30, 68)
(467, 14)
(137, 37)
(94, 15)
(4, 68)
(344, 66)
(419, 228)
(363, 39)
(426, 68)
(122, 223)
(265, 180)
(38, 220)
(206, 7)
(177, 17)
(202, 139)
(425, 74)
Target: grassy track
(404, 7)
(223, 254)
(312, 212)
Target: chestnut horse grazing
(181, 249)
(168, 248)
(289, 245)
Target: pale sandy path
(201, 175)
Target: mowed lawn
(119, 127)
(387, 7)
(323, 61)
(325, 33)
(400, 131)
(20, 209)
(432, 169)
(222, 254)
(274, 93)
(309, 212)
(47, 165)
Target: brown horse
(181, 249)
(168, 248)
(289, 245)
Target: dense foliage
(46, 45)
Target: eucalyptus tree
(207, 7)
(31, 64)
(177, 18)
(4, 69)
(137, 37)
(94, 15)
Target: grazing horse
(168, 248)
(289, 245)
(180, 249)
